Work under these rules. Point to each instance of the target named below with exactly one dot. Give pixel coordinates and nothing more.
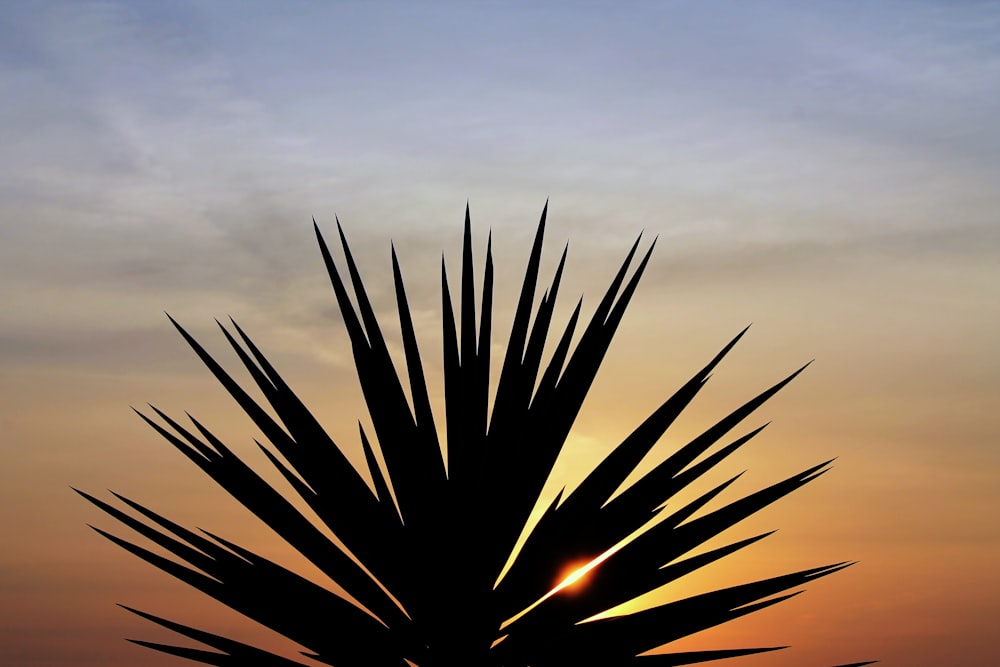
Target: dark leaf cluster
(421, 549)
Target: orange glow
(574, 575)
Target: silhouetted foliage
(436, 533)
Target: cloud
(172, 159)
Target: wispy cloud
(175, 151)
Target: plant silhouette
(424, 545)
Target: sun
(574, 576)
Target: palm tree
(424, 545)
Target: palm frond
(422, 549)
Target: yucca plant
(425, 544)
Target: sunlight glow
(575, 578)
(577, 573)
(574, 575)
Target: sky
(826, 171)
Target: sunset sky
(827, 171)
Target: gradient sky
(827, 170)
